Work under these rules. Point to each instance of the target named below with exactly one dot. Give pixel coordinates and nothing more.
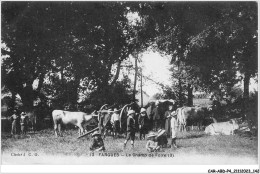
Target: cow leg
(59, 130)
(55, 129)
(80, 129)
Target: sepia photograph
(130, 83)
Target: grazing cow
(190, 114)
(226, 128)
(79, 119)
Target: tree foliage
(63, 45)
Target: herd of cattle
(192, 116)
(200, 117)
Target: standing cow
(79, 119)
(193, 115)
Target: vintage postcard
(164, 86)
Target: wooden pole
(142, 104)
(89, 132)
(135, 78)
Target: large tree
(214, 40)
(65, 44)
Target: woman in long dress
(167, 117)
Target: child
(162, 139)
(174, 127)
(130, 128)
(143, 122)
(167, 117)
(23, 122)
(151, 144)
(97, 144)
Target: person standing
(24, 123)
(167, 117)
(130, 128)
(174, 128)
(15, 123)
(150, 116)
(115, 122)
(156, 116)
(143, 122)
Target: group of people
(19, 123)
(156, 139)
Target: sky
(157, 67)
(154, 66)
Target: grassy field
(194, 147)
(191, 144)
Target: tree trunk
(12, 104)
(141, 89)
(74, 97)
(180, 93)
(135, 79)
(27, 97)
(246, 87)
(41, 80)
(190, 95)
(246, 97)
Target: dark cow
(193, 115)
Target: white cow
(78, 119)
(225, 128)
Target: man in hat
(23, 123)
(130, 128)
(174, 127)
(115, 122)
(143, 122)
(97, 143)
(15, 123)
(152, 144)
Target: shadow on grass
(191, 136)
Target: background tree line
(76, 49)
